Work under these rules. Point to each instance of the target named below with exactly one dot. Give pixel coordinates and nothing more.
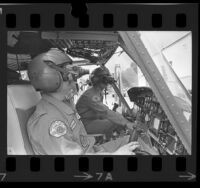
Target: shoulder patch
(96, 98)
(57, 128)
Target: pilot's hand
(131, 125)
(141, 127)
(127, 149)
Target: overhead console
(160, 130)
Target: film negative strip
(98, 93)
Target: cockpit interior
(146, 85)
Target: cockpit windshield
(177, 88)
(128, 74)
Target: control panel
(163, 135)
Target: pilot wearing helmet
(54, 127)
(97, 117)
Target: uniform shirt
(90, 107)
(54, 129)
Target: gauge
(156, 123)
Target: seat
(21, 103)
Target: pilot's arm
(50, 136)
(69, 147)
(127, 149)
(103, 112)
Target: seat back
(21, 103)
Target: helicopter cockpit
(146, 89)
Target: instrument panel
(162, 134)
